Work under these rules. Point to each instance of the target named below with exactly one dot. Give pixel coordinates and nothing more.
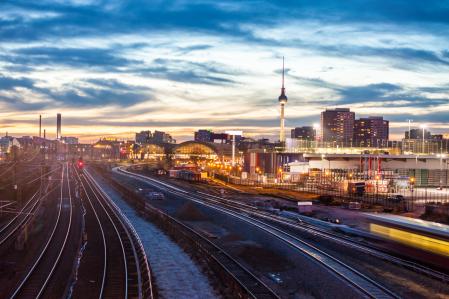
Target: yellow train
(423, 235)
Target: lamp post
(377, 187)
(441, 156)
(233, 134)
(423, 127)
(322, 166)
(412, 184)
(316, 127)
(409, 132)
(280, 171)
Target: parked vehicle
(396, 198)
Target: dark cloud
(99, 92)
(60, 20)
(405, 54)
(9, 83)
(73, 57)
(208, 16)
(86, 93)
(18, 103)
(190, 49)
(368, 93)
(395, 95)
(189, 72)
(125, 17)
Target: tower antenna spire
(283, 73)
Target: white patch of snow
(175, 274)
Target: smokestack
(45, 135)
(58, 126)
(40, 126)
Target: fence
(375, 192)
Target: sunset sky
(117, 67)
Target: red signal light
(80, 164)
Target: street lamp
(233, 134)
(280, 174)
(423, 127)
(316, 127)
(441, 156)
(409, 132)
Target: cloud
(189, 72)
(86, 93)
(73, 57)
(193, 48)
(373, 56)
(395, 95)
(99, 92)
(9, 83)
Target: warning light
(80, 164)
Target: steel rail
(269, 292)
(27, 216)
(2, 229)
(44, 285)
(344, 240)
(127, 225)
(118, 235)
(339, 268)
(103, 279)
(44, 250)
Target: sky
(113, 68)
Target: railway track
(252, 285)
(35, 281)
(125, 271)
(357, 280)
(328, 235)
(21, 218)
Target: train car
(424, 240)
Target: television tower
(282, 101)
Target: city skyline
(160, 66)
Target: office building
(160, 137)
(203, 135)
(304, 133)
(337, 125)
(371, 132)
(143, 137)
(418, 134)
(69, 140)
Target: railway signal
(80, 164)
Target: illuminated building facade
(371, 132)
(304, 133)
(337, 125)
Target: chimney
(58, 126)
(40, 126)
(45, 137)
